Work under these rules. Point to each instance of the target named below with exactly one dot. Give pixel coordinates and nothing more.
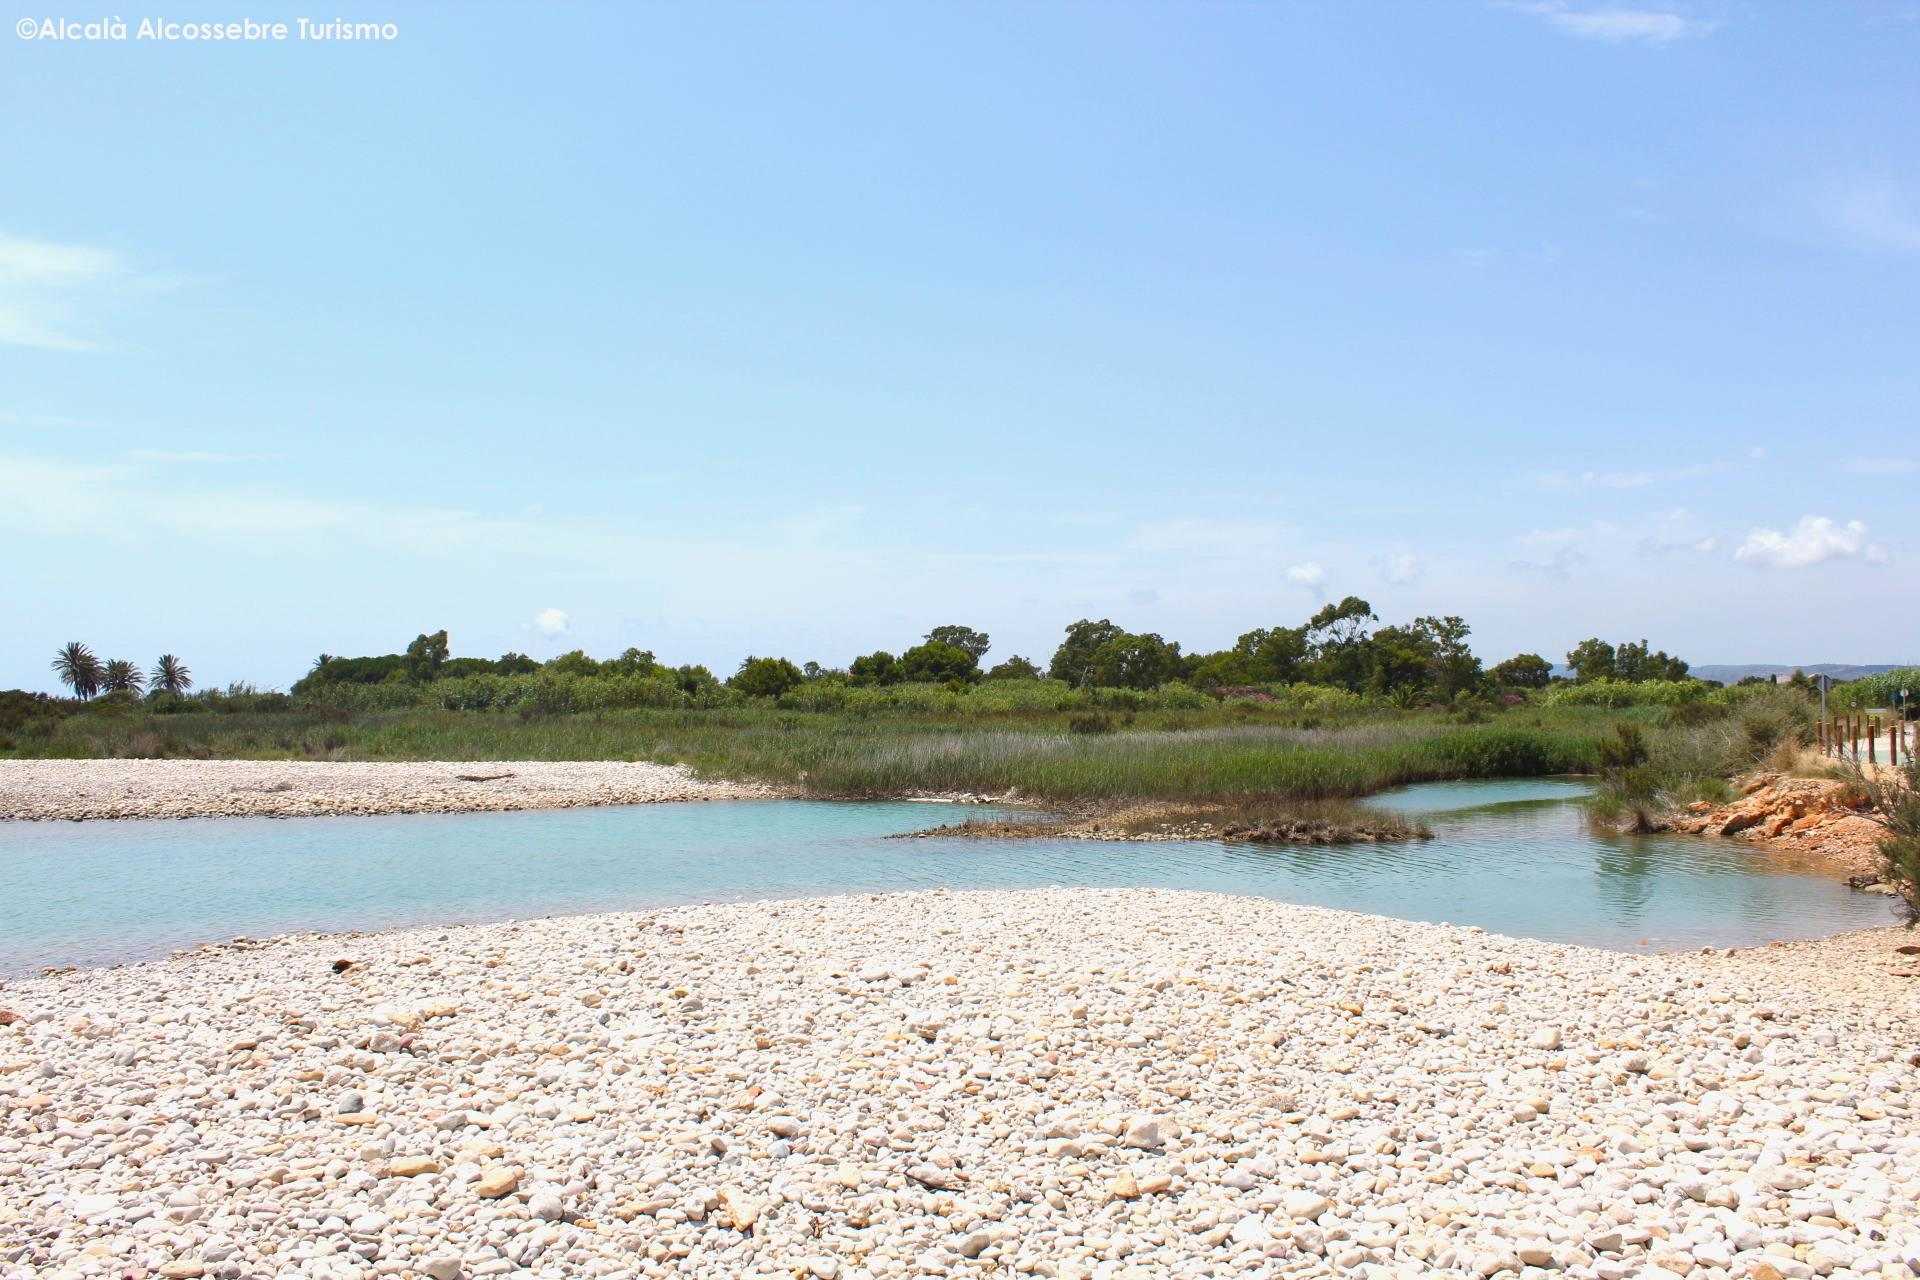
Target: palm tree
(121, 676)
(170, 675)
(78, 669)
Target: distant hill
(1732, 673)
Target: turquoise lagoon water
(1513, 857)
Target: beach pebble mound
(1066, 1083)
(84, 789)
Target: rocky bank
(84, 789)
(1060, 1083)
(1823, 817)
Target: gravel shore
(1083, 1083)
(83, 789)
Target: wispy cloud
(1558, 553)
(1206, 535)
(1625, 478)
(48, 289)
(1398, 568)
(1880, 466)
(1674, 532)
(1309, 575)
(189, 456)
(1613, 24)
(1876, 214)
(1813, 540)
(37, 421)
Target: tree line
(1342, 645)
(78, 669)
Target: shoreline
(104, 790)
(1067, 1082)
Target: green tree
(1214, 670)
(78, 669)
(1522, 671)
(632, 662)
(974, 642)
(1634, 662)
(425, 655)
(1337, 643)
(1274, 655)
(574, 662)
(1451, 666)
(1073, 660)
(1592, 659)
(1130, 661)
(1401, 660)
(876, 668)
(766, 677)
(1014, 668)
(937, 663)
(170, 675)
(515, 664)
(121, 676)
(695, 679)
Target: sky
(804, 328)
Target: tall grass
(1169, 754)
(1692, 750)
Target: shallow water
(1514, 857)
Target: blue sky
(804, 328)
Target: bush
(1875, 691)
(1606, 692)
(1091, 723)
(1626, 749)
(936, 663)
(766, 677)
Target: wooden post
(1820, 736)
(1893, 742)
(1873, 737)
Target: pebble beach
(1068, 1083)
(78, 790)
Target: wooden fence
(1866, 738)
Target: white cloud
(1881, 466)
(42, 328)
(25, 261)
(1398, 568)
(551, 622)
(1562, 563)
(1669, 532)
(1614, 25)
(47, 290)
(1814, 540)
(1309, 575)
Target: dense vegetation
(1336, 706)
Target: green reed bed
(1171, 756)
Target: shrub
(876, 668)
(935, 663)
(1626, 749)
(1875, 691)
(1608, 692)
(765, 677)
(1090, 723)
